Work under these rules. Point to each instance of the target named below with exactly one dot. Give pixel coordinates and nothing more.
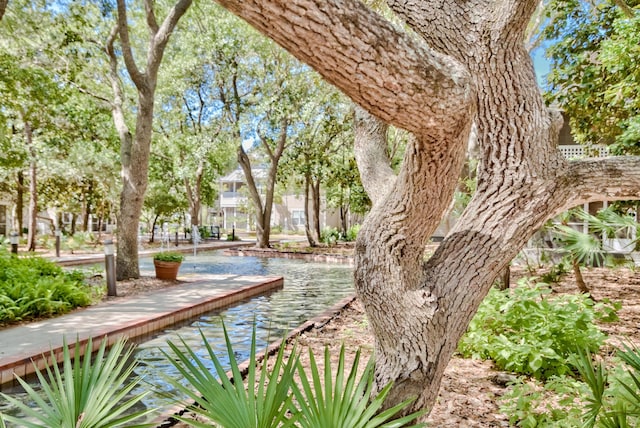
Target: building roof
(237, 176)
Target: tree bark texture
(135, 149)
(468, 65)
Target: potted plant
(167, 264)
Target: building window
(297, 218)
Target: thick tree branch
(409, 86)
(118, 98)
(123, 30)
(152, 24)
(611, 179)
(160, 39)
(370, 148)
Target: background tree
(29, 92)
(469, 64)
(326, 125)
(135, 149)
(192, 128)
(594, 55)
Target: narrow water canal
(309, 289)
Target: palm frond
(263, 403)
(344, 404)
(86, 392)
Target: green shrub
(169, 256)
(329, 235)
(554, 404)
(205, 232)
(32, 287)
(526, 330)
(352, 233)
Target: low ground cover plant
(32, 287)
(529, 331)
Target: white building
(288, 208)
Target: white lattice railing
(572, 152)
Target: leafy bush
(33, 287)
(554, 404)
(205, 232)
(169, 256)
(329, 235)
(87, 393)
(352, 233)
(526, 330)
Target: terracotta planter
(166, 270)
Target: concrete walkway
(81, 259)
(133, 316)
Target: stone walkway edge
(146, 315)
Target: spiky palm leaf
(323, 402)
(86, 393)
(264, 403)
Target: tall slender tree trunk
(134, 150)
(264, 208)
(315, 197)
(3, 7)
(33, 188)
(20, 202)
(87, 207)
(309, 227)
(582, 286)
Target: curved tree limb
(370, 148)
(161, 37)
(408, 86)
(152, 24)
(612, 179)
(123, 30)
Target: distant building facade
(236, 209)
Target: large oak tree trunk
(469, 66)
